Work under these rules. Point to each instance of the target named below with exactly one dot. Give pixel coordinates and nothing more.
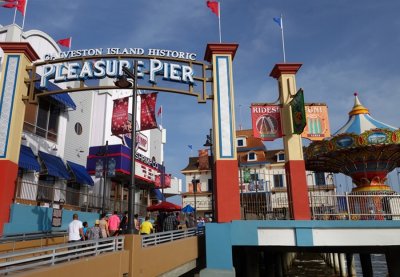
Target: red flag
(147, 113)
(214, 7)
(20, 5)
(120, 124)
(65, 42)
(159, 111)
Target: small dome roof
(361, 121)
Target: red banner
(147, 114)
(266, 121)
(167, 181)
(120, 124)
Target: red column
(226, 178)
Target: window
(281, 157)
(241, 142)
(78, 128)
(43, 119)
(278, 181)
(320, 178)
(251, 156)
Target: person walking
(94, 232)
(170, 222)
(103, 224)
(146, 227)
(113, 224)
(75, 230)
(123, 226)
(136, 223)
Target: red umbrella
(164, 206)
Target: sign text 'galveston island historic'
(112, 67)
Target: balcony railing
(367, 206)
(42, 193)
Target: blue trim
(229, 104)
(54, 165)
(219, 246)
(80, 173)
(62, 98)
(304, 237)
(12, 102)
(27, 159)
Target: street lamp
(194, 183)
(209, 143)
(124, 83)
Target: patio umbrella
(188, 209)
(164, 206)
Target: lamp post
(124, 83)
(194, 182)
(209, 143)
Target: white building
(66, 127)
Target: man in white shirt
(75, 230)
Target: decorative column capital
(220, 48)
(20, 47)
(284, 68)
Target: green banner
(298, 112)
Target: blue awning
(80, 173)
(27, 159)
(54, 165)
(62, 98)
(159, 195)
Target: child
(85, 229)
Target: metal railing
(163, 237)
(83, 200)
(44, 256)
(360, 206)
(32, 236)
(323, 206)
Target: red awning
(164, 206)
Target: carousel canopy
(360, 120)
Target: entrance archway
(20, 69)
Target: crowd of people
(115, 224)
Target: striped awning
(27, 160)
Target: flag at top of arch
(214, 7)
(19, 4)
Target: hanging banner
(120, 124)
(203, 160)
(298, 112)
(317, 127)
(266, 121)
(147, 113)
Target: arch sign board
(157, 69)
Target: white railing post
(348, 205)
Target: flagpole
(161, 114)
(70, 43)
(283, 40)
(15, 14)
(219, 22)
(23, 20)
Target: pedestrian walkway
(310, 264)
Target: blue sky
(345, 46)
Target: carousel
(364, 149)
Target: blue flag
(190, 146)
(278, 20)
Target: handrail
(50, 255)
(168, 236)
(32, 236)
